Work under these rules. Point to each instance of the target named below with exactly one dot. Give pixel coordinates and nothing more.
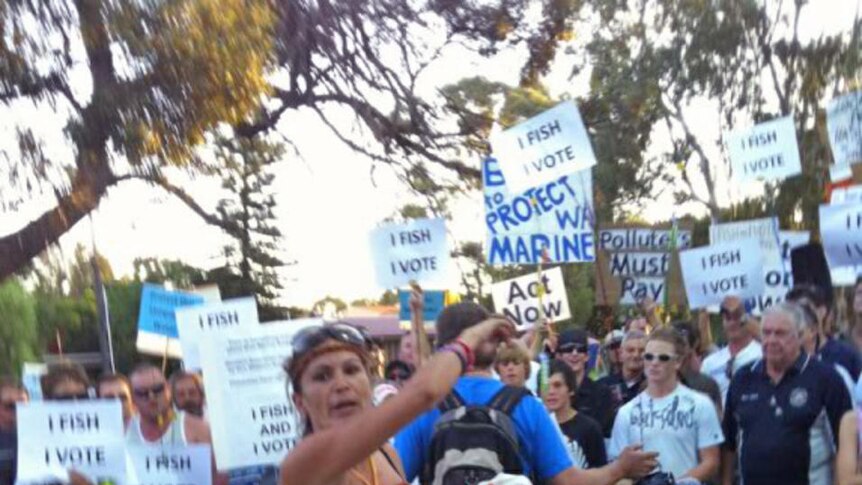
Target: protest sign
(719, 270)
(767, 151)
(556, 216)
(246, 387)
(31, 379)
(764, 230)
(86, 436)
(544, 148)
(226, 316)
(847, 195)
(844, 124)
(210, 292)
(433, 303)
(157, 323)
(636, 262)
(413, 251)
(171, 464)
(841, 231)
(778, 276)
(518, 298)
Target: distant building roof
(370, 311)
(381, 326)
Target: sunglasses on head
(143, 393)
(572, 347)
(309, 338)
(649, 357)
(83, 396)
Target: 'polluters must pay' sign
(714, 272)
(518, 298)
(543, 148)
(415, 250)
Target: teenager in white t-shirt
(680, 424)
(741, 347)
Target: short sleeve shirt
(677, 426)
(542, 449)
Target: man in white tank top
(157, 422)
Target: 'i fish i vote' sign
(171, 464)
(57, 436)
(719, 270)
(556, 215)
(544, 147)
(226, 316)
(413, 251)
(768, 151)
(245, 386)
(518, 298)
(841, 231)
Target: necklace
(362, 478)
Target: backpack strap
(508, 398)
(452, 401)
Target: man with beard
(187, 389)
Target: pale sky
(327, 203)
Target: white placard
(543, 148)
(767, 151)
(841, 231)
(844, 123)
(518, 298)
(31, 379)
(633, 289)
(171, 464)
(778, 277)
(416, 250)
(639, 263)
(246, 387)
(719, 270)
(56, 436)
(227, 316)
(764, 230)
(636, 238)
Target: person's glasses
(146, 392)
(615, 345)
(569, 348)
(649, 357)
(82, 396)
(121, 397)
(9, 406)
(398, 376)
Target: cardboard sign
(844, 123)
(247, 387)
(171, 464)
(764, 230)
(416, 250)
(31, 379)
(518, 298)
(556, 216)
(434, 302)
(636, 262)
(226, 316)
(544, 148)
(767, 151)
(719, 270)
(778, 277)
(157, 323)
(56, 436)
(841, 231)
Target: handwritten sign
(778, 276)
(844, 124)
(544, 148)
(767, 151)
(86, 436)
(171, 464)
(643, 238)
(226, 316)
(764, 230)
(556, 216)
(518, 298)
(841, 231)
(246, 387)
(416, 250)
(157, 323)
(719, 270)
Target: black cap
(810, 268)
(576, 336)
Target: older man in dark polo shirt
(591, 398)
(783, 411)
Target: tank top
(175, 434)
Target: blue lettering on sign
(157, 309)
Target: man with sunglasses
(157, 422)
(592, 398)
(11, 393)
(741, 348)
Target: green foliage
(18, 328)
(124, 303)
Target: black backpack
(472, 443)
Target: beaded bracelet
(468, 352)
(457, 350)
